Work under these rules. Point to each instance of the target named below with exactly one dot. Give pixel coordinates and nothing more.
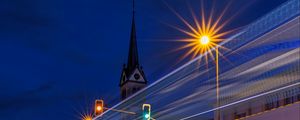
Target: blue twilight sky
(57, 56)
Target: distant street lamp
(86, 117)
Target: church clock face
(137, 76)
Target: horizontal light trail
(243, 100)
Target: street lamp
(204, 42)
(203, 37)
(86, 117)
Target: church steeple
(132, 78)
(133, 59)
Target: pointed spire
(133, 51)
(133, 9)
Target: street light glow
(86, 117)
(203, 35)
(204, 40)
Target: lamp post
(217, 82)
(205, 41)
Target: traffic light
(99, 107)
(146, 111)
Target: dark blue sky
(57, 56)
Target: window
(269, 106)
(137, 76)
(298, 94)
(241, 115)
(287, 101)
(277, 104)
(134, 90)
(124, 94)
(277, 101)
(249, 111)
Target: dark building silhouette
(132, 78)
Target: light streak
(243, 100)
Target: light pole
(217, 82)
(203, 38)
(204, 42)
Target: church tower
(132, 78)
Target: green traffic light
(146, 111)
(147, 116)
